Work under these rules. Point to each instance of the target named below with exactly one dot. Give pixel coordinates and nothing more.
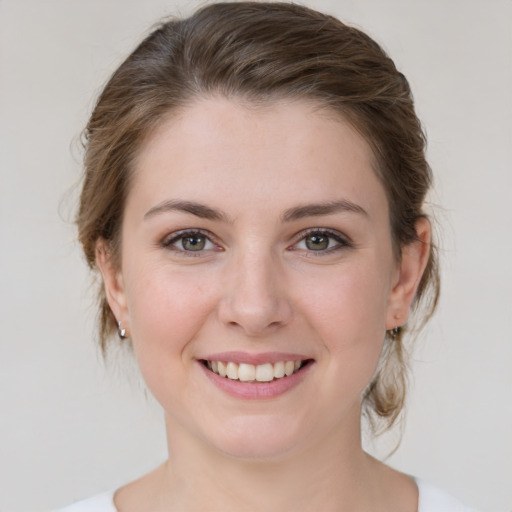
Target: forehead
(294, 151)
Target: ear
(412, 264)
(113, 282)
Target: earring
(394, 333)
(121, 331)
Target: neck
(332, 475)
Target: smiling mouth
(244, 372)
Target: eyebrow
(199, 210)
(319, 209)
(299, 212)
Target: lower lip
(256, 390)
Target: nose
(255, 296)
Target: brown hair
(259, 52)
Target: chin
(259, 438)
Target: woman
(255, 178)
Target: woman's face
(255, 238)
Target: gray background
(70, 428)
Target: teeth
(232, 371)
(264, 372)
(250, 373)
(221, 369)
(279, 370)
(246, 372)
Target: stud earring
(121, 331)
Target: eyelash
(173, 238)
(342, 242)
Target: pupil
(194, 243)
(317, 242)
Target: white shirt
(431, 499)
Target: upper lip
(255, 359)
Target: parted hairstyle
(262, 52)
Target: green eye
(193, 243)
(317, 242)
(322, 241)
(189, 242)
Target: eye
(321, 241)
(189, 241)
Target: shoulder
(432, 499)
(102, 503)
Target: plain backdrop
(69, 427)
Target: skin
(257, 286)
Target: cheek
(347, 310)
(166, 311)
(349, 306)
